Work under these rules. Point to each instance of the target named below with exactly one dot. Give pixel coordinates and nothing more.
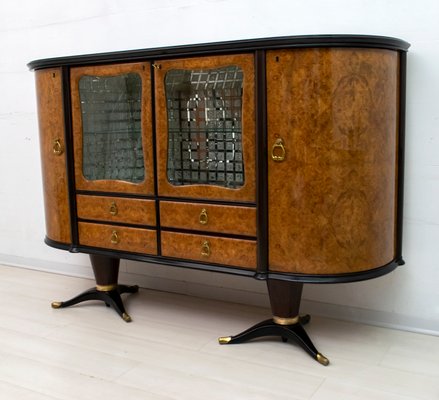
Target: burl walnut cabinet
(279, 159)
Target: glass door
(112, 128)
(205, 125)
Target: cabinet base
(269, 327)
(106, 271)
(111, 298)
(285, 303)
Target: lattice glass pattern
(205, 127)
(111, 127)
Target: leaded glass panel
(111, 127)
(204, 109)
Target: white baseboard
(229, 288)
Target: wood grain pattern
(143, 69)
(233, 252)
(134, 240)
(246, 192)
(51, 128)
(332, 201)
(129, 211)
(223, 219)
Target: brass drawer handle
(205, 249)
(203, 217)
(113, 209)
(278, 150)
(114, 238)
(57, 147)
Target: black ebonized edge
(401, 152)
(261, 165)
(300, 278)
(115, 194)
(68, 145)
(339, 278)
(369, 41)
(167, 198)
(116, 223)
(208, 233)
(155, 159)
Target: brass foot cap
(322, 359)
(56, 304)
(286, 321)
(224, 339)
(126, 317)
(106, 288)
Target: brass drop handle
(114, 238)
(278, 150)
(113, 209)
(204, 218)
(57, 147)
(205, 249)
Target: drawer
(208, 217)
(116, 209)
(134, 240)
(209, 249)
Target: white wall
(407, 298)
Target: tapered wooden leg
(106, 271)
(285, 303)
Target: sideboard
(280, 159)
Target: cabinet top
(365, 41)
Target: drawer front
(208, 217)
(209, 249)
(134, 240)
(116, 209)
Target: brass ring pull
(57, 147)
(205, 249)
(278, 150)
(114, 238)
(113, 209)
(203, 217)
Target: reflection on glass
(205, 127)
(111, 127)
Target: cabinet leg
(106, 271)
(285, 302)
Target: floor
(170, 351)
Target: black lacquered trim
(381, 42)
(58, 245)
(261, 163)
(338, 278)
(208, 233)
(401, 153)
(159, 260)
(208, 201)
(174, 262)
(70, 163)
(155, 159)
(116, 223)
(115, 194)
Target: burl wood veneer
(119, 238)
(53, 156)
(210, 249)
(116, 209)
(208, 217)
(332, 201)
